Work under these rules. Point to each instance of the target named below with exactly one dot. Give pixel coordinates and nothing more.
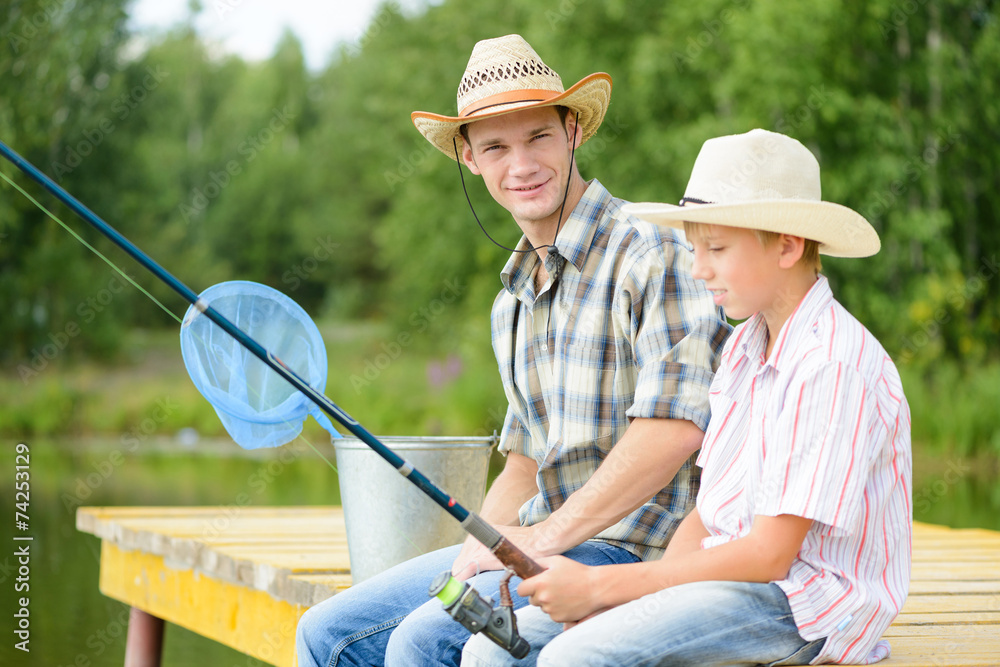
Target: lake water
(72, 623)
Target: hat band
(510, 97)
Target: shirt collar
(573, 242)
(801, 321)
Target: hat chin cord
(552, 246)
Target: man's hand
(475, 558)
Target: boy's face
(523, 158)
(744, 276)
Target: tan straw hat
(764, 180)
(505, 75)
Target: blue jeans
(703, 624)
(389, 619)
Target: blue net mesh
(257, 406)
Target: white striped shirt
(820, 430)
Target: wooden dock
(243, 576)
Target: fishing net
(257, 406)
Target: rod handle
(501, 547)
(516, 559)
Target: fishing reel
(477, 614)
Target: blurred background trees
(317, 183)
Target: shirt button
(545, 347)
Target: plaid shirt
(621, 330)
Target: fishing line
(506, 551)
(114, 266)
(92, 248)
(109, 262)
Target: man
(606, 348)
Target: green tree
(59, 77)
(319, 184)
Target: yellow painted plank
(249, 621)
(939, 652)
(209, 521)
(206, 529)
(123, 533)
(916, 604)
(957, 542)
(949, 646)
(256, 547)
(926, 586)
(951, 618)
(985, 538)
(963, 555)
(234, 521)
(269, 510)
(957, 635)
(950, 570)
(924, 531)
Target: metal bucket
(389, 520)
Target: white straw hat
(764, 180)
(505, 75)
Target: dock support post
(144, 643)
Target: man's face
(524, 159)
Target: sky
(251, 28)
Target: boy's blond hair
(810, 252)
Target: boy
(798, 550)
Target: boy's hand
(566, 591)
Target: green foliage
(951, 410)
(57, 72)
(317, 183)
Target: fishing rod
(505, 551)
